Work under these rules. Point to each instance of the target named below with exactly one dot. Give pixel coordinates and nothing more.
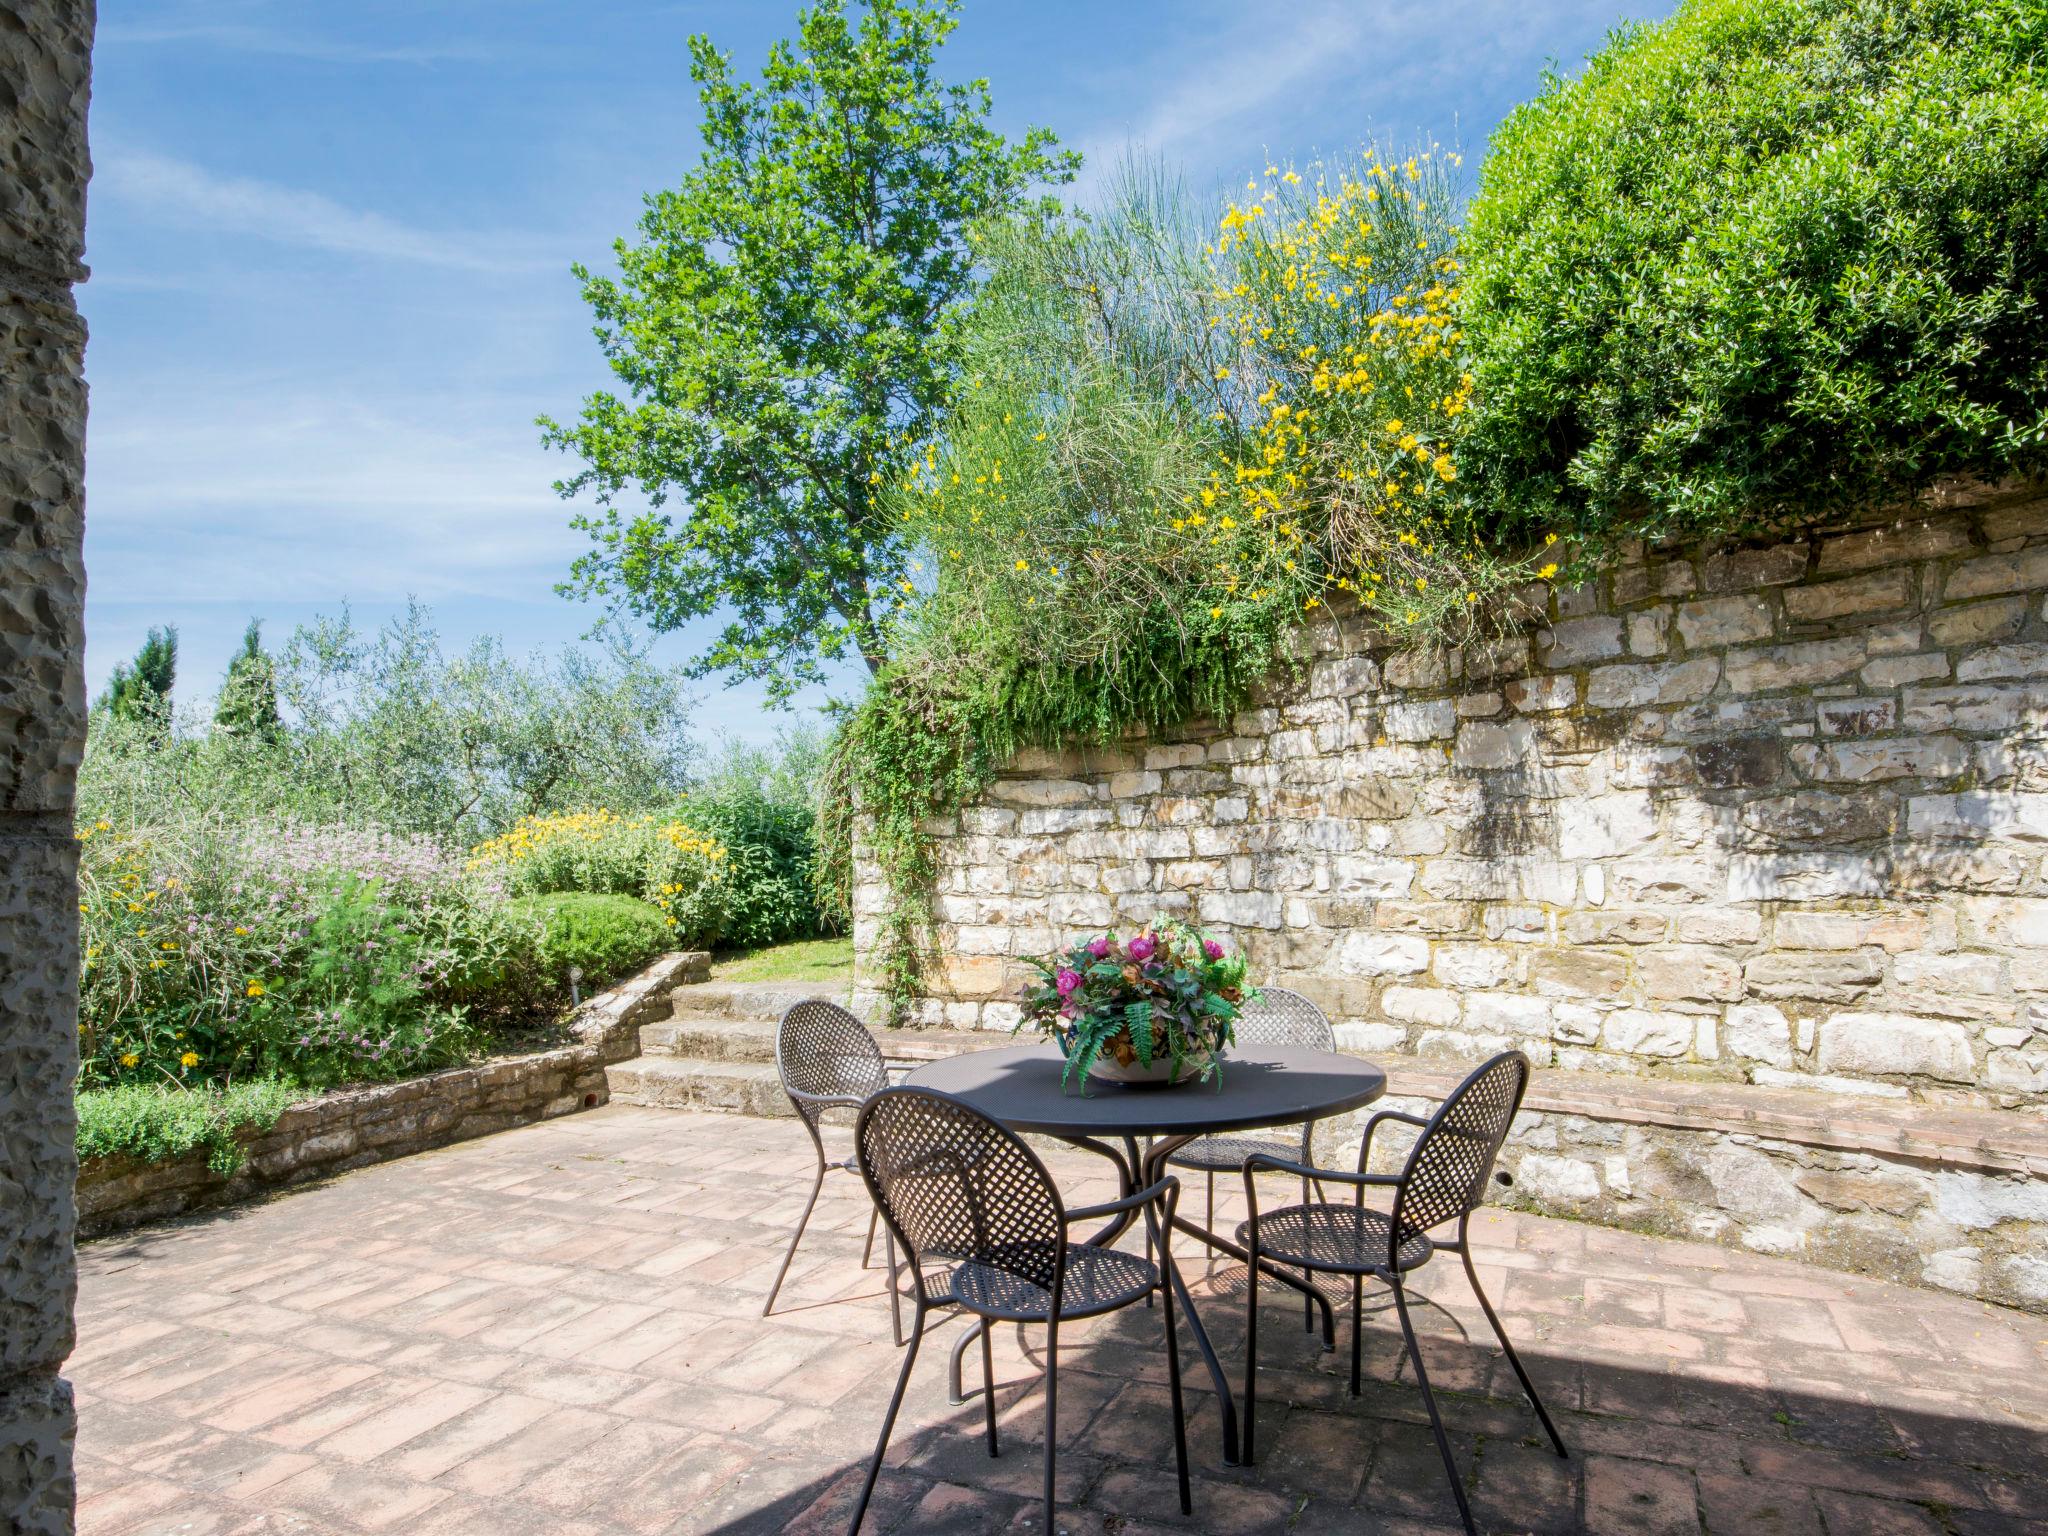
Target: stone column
(45, 78)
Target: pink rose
(1212, 949)
(1099, 947)
(1066, 981)
(1143, 946)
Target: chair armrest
(1365, 1144)
(1129, 1202)
(826, 1100)
(1261, 1162)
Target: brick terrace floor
(556, 1330)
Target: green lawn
(806, 960)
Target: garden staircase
(717, 1049)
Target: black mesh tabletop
(1263, 1085)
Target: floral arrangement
(1169, 993)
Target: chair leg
(1052, 1412)
(1528, 1386)
(895, 1289)
(1308, 1306)
(867, 1488)
(1436, 1423)
(868, 1251)
(1357, 1328)
(1245, 1454)
(988, 1387)
(817, 1183)
(1180, 1419)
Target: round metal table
(1262, 1086)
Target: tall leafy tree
(141, 689)
(782, 334)
(247, 706)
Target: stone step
(681, 1082)
(718, 1037)
(767, 1000)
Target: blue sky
(330, 247)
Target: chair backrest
(1447, 1170)
(1281, 1017)
(955, 1185)
(822, 1051)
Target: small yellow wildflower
(255, 988)
(189, 1059)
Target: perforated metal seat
(1444, 1180)
(827, 1060)
(1345, 1239)
(984, 1228)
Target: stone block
(1483, 744)
(1999, 661)
(1646, 1032)
(1420, 669)
(1469, 966)
(1574, 642)
(1381, 954)
(2021, 571)
(1578, 973)
(1607, 827)
(1817, 818)
(1864, 762)
(1878, 592)
(1542, 1177)
(1421, 1005)
(1897, 543)
(1689, 975)
(1895, 1045)
(1897, 671)
(1820, 975)
(1719, 621)
(1635, 685)
(1041, 792)
(1979, 814)
(1615, 927)
(1536, 695)
(1806, 876)
(1419, 720)
(1649, 632)
(1802, 664)
(1759, 1032)
(1738, 570)
(1976, 623)
(1726, 925)
(1855, 717)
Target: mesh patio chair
(1444, 1180)
(827, 1060)
(960, 1191)
(1279, 1017)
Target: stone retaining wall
(1772, 813)
(1735, 819)
(358, 1126)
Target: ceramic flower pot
(1105, 1068)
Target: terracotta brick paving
(556, 1330)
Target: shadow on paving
(1652, 1450)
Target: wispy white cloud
(189, 194)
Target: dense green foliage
(154, 1123)
(247, 703)
(1771, 256)
(761, 806)
(605, 936)
(781, 328)
(139, 691)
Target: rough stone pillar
(45, 77)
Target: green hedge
(607, 936)
(155, 1123)
(1772, 255)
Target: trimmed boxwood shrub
(608, 936)
(1769, 256)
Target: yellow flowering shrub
(668, 864)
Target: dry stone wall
(45, 64)
(1772, 813)
(1761, 827)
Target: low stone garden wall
(357, 1126)
(1742, 819)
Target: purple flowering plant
(1166, 993)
